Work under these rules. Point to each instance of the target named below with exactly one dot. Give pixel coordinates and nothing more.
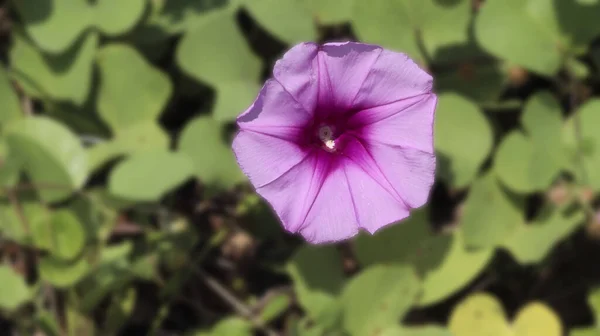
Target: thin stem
(234, 302)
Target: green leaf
(10, 107)
(12, 220)
(535, 34)
(422, 249)
(137, 138)
(51, 155)
(170, 17)
(275, 307)
(530, 243)
(65, 76)
(521, 167)
(147, 176)
(230, 66)
(331, 11)
(542, 120)
(10, 168)
(229, 326)
(584, 119)
(14, 291)
(481, 82)
(490, 204)
(395, 24)
(459, 266)
(416, 331)
(461, 153)
(116, 17)
(537, 319)
(54, 25)
(233, 98)
(479, 314)
(378, 298)
(593, 301)
(218, 58)
(62, 234)
(288, 20)
(592, 331)
(131, 90)
(531, 162)
(214, 162)
(318, 277)
(62, 274)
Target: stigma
(327, 138)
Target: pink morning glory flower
(340, 139)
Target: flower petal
(264, 158)
(313, 198)
(404, 123)
(394, 76)
(297, 71)
(343, 67)
(332, 216)
(375, 206)
(410, 171)
(273, 110)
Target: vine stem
(234, 302)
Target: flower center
(326, 135)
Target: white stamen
(326, 136)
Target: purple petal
(343, 67)
(375, 207)
(273, 110)
(313, 199)
(332, 217)
(404, 123)
(264, 158)
(410, 171)
(298, 71)
(394, 76)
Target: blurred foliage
(123, 211)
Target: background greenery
(123, 212)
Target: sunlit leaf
(9, 102)
(147, 176)
(317, 276)
(14, 291)
(214, 162)
(52, 156)
(288, 20)
(490, 204)
(64, 76)
(460, 153)
(55, 24)
(378, 298)
(131, 90)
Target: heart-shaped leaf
(288, 20)
(395, 24)
(131, 90)
(460, 153)
(378, 298)
(51, 155)
(535, 34)
(214, 162)
(54, 25)
(489, 203)
(65, 76)
(148, 175)
(10, 108)
(14, 291)
(530, 162)
(318, 277)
